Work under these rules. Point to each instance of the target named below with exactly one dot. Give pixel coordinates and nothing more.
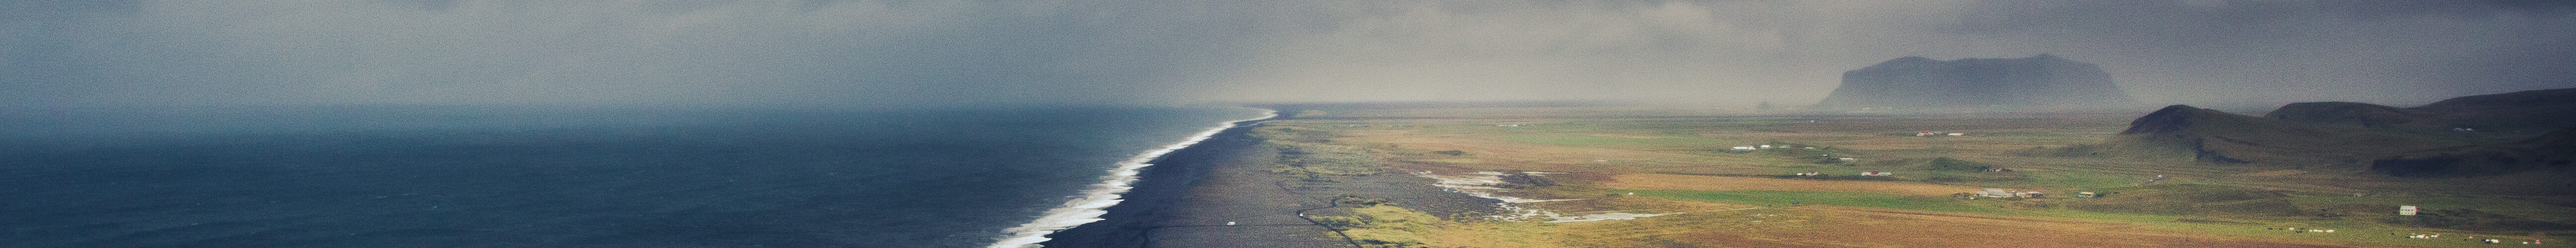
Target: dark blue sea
(486, 176)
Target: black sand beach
(1187, 198)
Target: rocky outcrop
(2043, 81)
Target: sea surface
(483, 176)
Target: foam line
(1093, 201)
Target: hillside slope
(2530, 111)
(2353, 114)
(2535, 110)
(2554, 152)
(2185, 132)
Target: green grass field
(2200, 197)
(2357, 230)
(2535, 211)
(1581, 140)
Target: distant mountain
(2182, 131)
(2043, 81)
(2527, 110)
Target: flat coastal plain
(1628, 176)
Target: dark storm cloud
(944, 53)
(2382, 51)
(601, 52)
(1741, 51)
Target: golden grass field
(1676, 160)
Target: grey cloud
(2382, 51)
(951, 53)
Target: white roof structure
(1995, 192)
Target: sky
(914, 53)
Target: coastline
(1126, 185)
(1194, 191)
(1221, 193)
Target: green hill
(2185, 132)
(2353, 114)
(2553, 153)
(2535, 110)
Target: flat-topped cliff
(2043, 81)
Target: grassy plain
(1677, 161)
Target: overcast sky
(951, 53)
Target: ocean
(484, 176)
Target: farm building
(1931, 134)
(2001, 193)
(1994, 193)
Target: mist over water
(497, 177)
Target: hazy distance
(896, 54)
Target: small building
(1763, 146)
(1994, 193)
(1744, 148)
(1876, 173)
(2029, 194)
(2087, 194)
(2405, 210)
(1931, 133)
